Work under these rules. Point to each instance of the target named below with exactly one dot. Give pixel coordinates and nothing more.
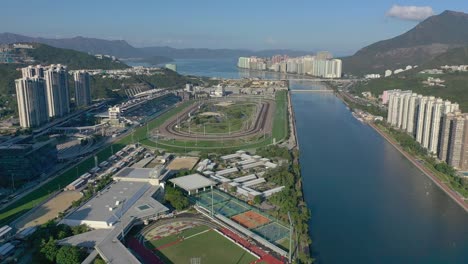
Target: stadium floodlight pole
(212, 202)
(290, 236)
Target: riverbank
(292, 142)
(450, 192)
(459, 200)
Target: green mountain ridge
(456, 56)
(430, 38)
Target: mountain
(455, 56)
(45, 54)
(122, 49)
(430, 38)
(118, 48)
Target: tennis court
(244, 214)
(272, 231)
(250, 219)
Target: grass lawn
(231, 118)
(280, 123)
(172, 238)
(210, 247)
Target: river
(369, 204)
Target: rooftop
(192, 182)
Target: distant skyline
(342, 28)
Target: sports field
(280, 131)
(212, 118)
(199, 244)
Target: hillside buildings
(82, 88)
(321, 65)
(438, 125)
(43, 93)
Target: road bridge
(312, 91)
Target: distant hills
(422, 44)
(122, 49)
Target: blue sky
(339, 26)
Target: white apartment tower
(427, 122)
(393, 105)
(437, 113)
(412, 110)
(420, 118)
(33, 71)
(32, 107)
(58, 101)
(82, 88)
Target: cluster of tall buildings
(43, 93)
(321, 65)
(437, 124)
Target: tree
(257, 199)
(69, 255)
(79, 229)
(99, 260)
(176, 198)
(49, 249)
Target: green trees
(69, 255)
(257, 199)
(176, 198)
(43, 243)
(49, 249)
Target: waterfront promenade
(456, 197)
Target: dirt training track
(262, 122)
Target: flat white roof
(136, 173)
(192, 182)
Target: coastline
(452, 194)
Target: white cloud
(413, 13)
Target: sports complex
(234, 121)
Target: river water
(369, 204)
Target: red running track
(143, 252)
(264, 257)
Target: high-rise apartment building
(455, 141)
(445, 136)
(420, 120)
(82, 88)
(437, 113)
(412, 110)
(393, 105)
(33, 71)
(58, 99)
(427, 122)
(31, 96)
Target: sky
(339, 26)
